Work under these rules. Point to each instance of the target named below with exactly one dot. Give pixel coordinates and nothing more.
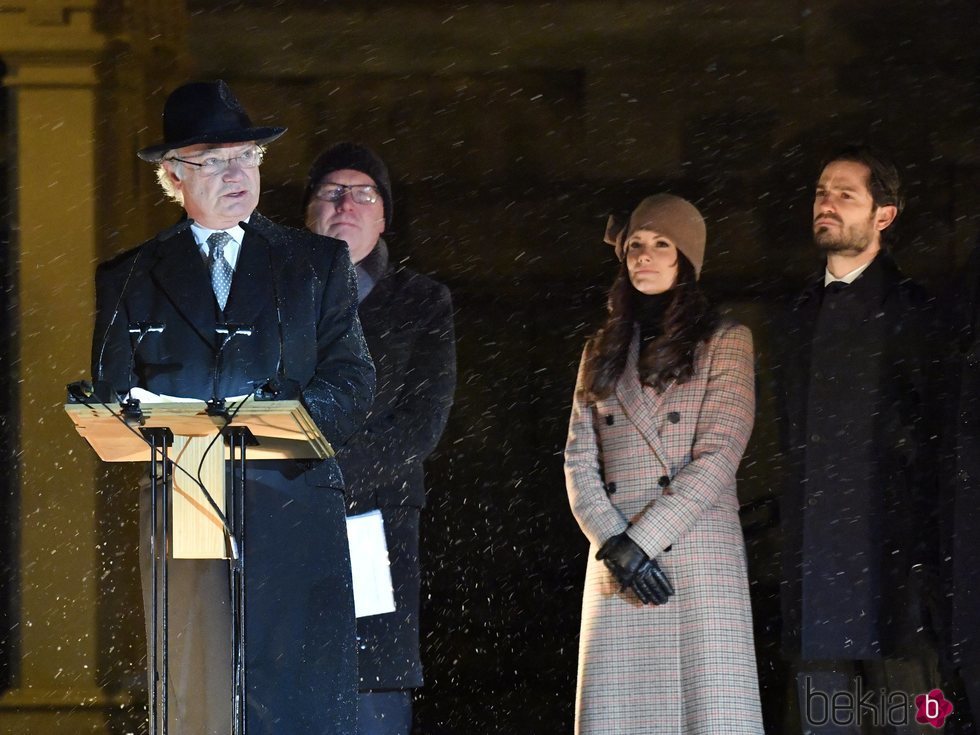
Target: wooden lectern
(283, 430)
(183, 442)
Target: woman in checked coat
(663, 408)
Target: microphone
(227, 331)
(165, 235)
(84, 392)
(131, 410)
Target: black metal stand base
(160, 440)
(238, 438)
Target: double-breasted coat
(662, 465)
(296, 290)
(408, 323)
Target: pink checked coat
(663, 465)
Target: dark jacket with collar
(408, 324)
(860, 419)
(961, 529)
(296, 291)
(285, 279)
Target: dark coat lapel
(799, 339)
(183, 275)
(251, 288)
(639, 403)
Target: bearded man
(860, 417)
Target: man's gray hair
(166, 183)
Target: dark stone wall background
(512, 130)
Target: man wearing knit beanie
(349, 195)
(408, 324)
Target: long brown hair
(689, 320)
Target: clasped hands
(633, 569)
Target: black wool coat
(860, 414)
(408, 323)
(306, 278)
(297, 292)
(961, 529)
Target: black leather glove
(651, 584)
(632, 568)
(623, 557)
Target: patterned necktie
(220, 268)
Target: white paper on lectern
(145, 396)
(370, 569)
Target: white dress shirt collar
(851, 277)
(232, 249)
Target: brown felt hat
(668, 215)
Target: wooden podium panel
(197, 529)
(283, 429)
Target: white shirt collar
(232, 249)
(851, 277)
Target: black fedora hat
(205, 112)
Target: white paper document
(370, 569)
(145, 396)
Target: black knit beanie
(357, 158)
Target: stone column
(86, 79)
(51, 56)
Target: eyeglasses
(213, 165)
(360, 193)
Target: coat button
(610, 420)
(610, 488)
(668, 548)
(663, 481)
(815, 438)
(811, 502)
(673, 417)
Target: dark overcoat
(962, 519)
(663, 464)
(859, 510)
(296, 290)
(408, 323)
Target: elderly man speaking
(225, 263)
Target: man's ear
(171, 174)
(885, 215)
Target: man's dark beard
(840, 245)
(848, 241)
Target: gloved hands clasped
(632, 568)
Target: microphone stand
(227, 331)
(238, 437)
(160, 440)
(131, 410)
